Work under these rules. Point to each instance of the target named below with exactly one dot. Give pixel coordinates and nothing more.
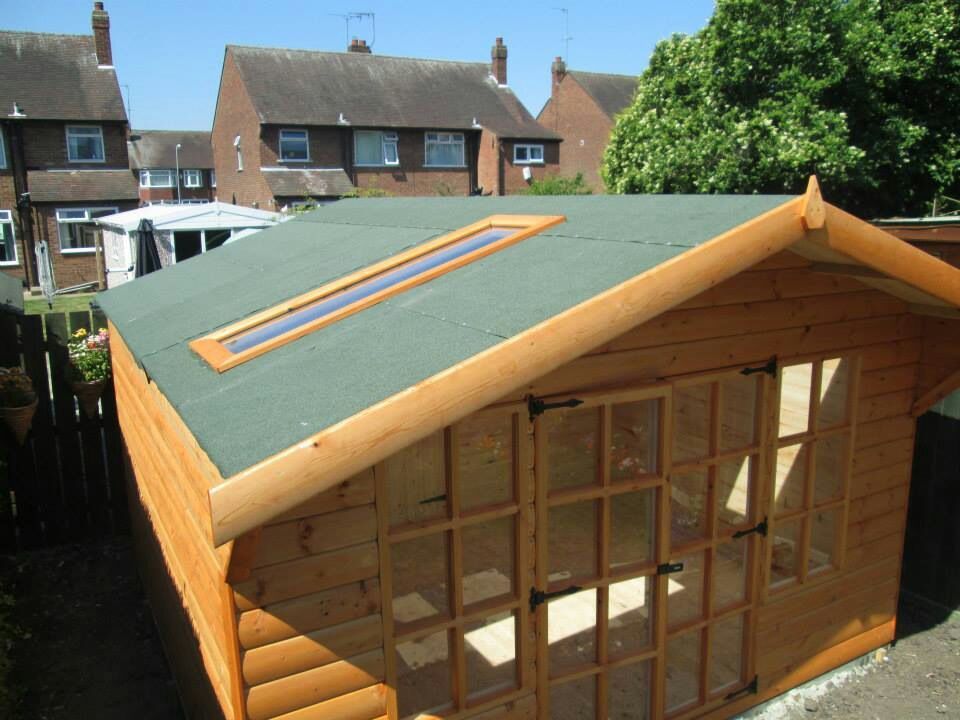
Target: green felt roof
(267, 404)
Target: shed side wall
(182, 571)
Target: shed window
(353, 293)
(85, 143)
(294, 146)
(8, 243)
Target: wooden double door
(647, 549)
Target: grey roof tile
(157, 149)
(291, 182)
(81, 185)
(612, 93)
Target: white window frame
(193, 178)
(213, 178)
(6, 216)
(528, 147)
(150, 178)
(437, 138)
(306, 140)
(3, 152)
(85, 130)
(85, 220)
(387, 137)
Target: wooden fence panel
(65, 483)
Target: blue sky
(169, 52)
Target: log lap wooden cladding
(306, 617)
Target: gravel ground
(88, 649)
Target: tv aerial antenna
(566, 37)
(360, 17)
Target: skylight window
(308, 313)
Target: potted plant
(89, 367)
(18, 402)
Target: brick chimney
(358, 46)
(101, 34)
(498, 62)
(558, 69)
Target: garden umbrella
(148, 259)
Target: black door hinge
(760, 528)
(668, 568)
(770, 368)
(750, 689)
(536, 406)
(435, 498)
(539, 597)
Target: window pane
(691, 430)
(685, 591)
(683, 671)
(738, 411)
(734, 491)
(491, 654)
(8, 250)
(632, 527)
(420, 579)
(629, 692)
(726, 666)
(784, 563)
(831, 467)
(573, 442)
(488, 566)
(485, 459)
(72, 214)
(834, 392)
(572, 630)
(630, 614)
(575, 700)
(390, 156)
(368, 148)
(573, 541)
(795, 382)
(85, 144)
(634, 445)
(823, 540)
(791, 479)
(536, 152)
(688, 507)
(729, 574)
(416, 481)
(102, 212)
(520, 153)
(423, 674)
(293, 145)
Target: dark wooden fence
(931, 567)
(65, 483)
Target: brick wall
(499, 175)
(236, 116)
(71, 268)
(326, 147)
(585, 129)
(8, 201)
(45, 145)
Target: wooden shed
(566, 457)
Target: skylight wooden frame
(212, 347)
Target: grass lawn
(63, 303)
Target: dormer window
(85, 143)
(294, 146)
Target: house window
(336, 300)
(156, 178)
(812, 469)
(294, 146)
(84, 143)
(528, 154)
(78, 233)
(3, 153)
(213, 178)
(375, 148)
(8, 244)
(192, 178)
(443, 149)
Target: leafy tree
(558, 185)
(864, 93)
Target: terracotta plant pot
(19, 419)
(88, 395)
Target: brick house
(63, 149)
(581, 110)
(172, 164)
(292, 124)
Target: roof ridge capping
(366, 57)
(803, 224)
